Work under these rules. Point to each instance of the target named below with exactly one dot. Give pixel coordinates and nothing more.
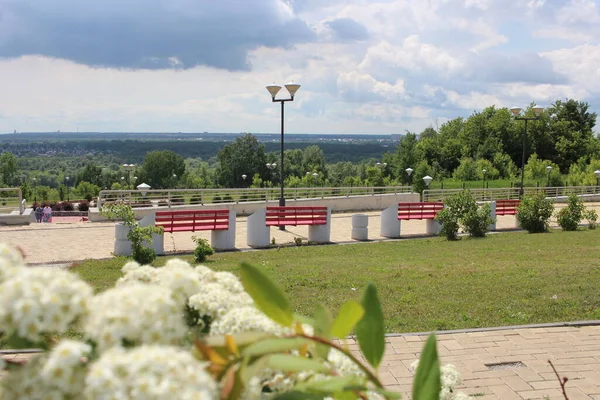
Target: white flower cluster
(64, 368)
(215, 301)
(450, 379)
(38, 301)
(135, 314)
(246, 319)
(57, 375)
(176, 275)
(149, 372)
(11, 262)
(227, 280)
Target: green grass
(430, 284)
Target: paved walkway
(502, 364)
(508, 363)
(63, 241)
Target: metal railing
(179, 197)
(511, 193)
(11, 199)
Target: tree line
(460, 149)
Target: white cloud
(379, 66)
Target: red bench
(507, 207)
(425, 210)
(193, 220)
(282, 216)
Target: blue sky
(366, 66)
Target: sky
(365, 66)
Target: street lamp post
(273, 89)
(67, 180)
(409, 172)
(484, 172)
(537, 110)
(272, 167)
(597, 173)
(244, 176)
(549, 170)
(128, 168)
(34, 190)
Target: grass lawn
(431, 284)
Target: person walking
(47, 213)
(39, 213)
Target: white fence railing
(11, 199)
(510, 193)
(178, 197)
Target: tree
(313, 160)
(245, 156)
(406, 155)
(159, 167)
(90, 173)
(8, 168)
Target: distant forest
(135, 150)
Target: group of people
(43, 214)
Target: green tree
(313, 160)
(8, 168)
(90, 173)
(406, 155)
(466, 170)
(159, 167)
(245, 156)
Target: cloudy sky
(366, 66)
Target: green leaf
(350, 313)
(332, 385)
(427, 384)
(267, 297)
(297, 395)
(322, 325)
(288, 363)
(388, 395)
(304, 320)
(370, 330)
(273, 346)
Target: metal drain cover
(505, 365)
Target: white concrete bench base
(258, 233)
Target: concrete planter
(122, 244)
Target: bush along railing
(534, 212)
(190, 332)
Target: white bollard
(390, 225)
(492, 226)
(257, 235)
(321, 233)
(225, 240)
(360, 227)
(158, 242)
(122, 244)
(433, 227)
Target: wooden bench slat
(419, 210)
(192, 220)
(289, 215)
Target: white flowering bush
(149, 372)
(135, 314)
(140, 340)
(39, 301)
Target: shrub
(227, 199)
(67, 206)
(56, 206)
(216, 199)
(83, 205)
(569, 217)
(476, 222)
(163, 203)
(298, 241)
(592, 217)
(462, 210)
(534, 212)
(202, 249)
(178, 201)
(138, 236)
